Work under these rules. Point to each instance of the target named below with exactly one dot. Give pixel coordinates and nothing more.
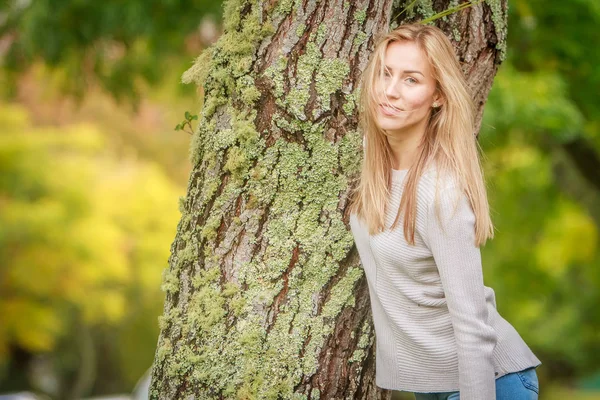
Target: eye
(411, 80)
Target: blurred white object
(140, 392)
(20, 396)
(112, 397)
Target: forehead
(406, 55)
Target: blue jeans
(521, 385)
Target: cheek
(418, 97)
(379, 89)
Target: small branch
(449, 11)
(187, 122)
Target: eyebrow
(407, 71)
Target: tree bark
(265, 297)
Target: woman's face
(409, 86)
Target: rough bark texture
(264, 294)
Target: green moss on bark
(499, 20)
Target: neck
(405, 146)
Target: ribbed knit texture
(436, 324)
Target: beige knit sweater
(436, 324)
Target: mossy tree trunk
(265, 297)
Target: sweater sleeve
(451, 240)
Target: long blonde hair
(449, 141)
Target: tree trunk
(265, 297)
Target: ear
(438, 100)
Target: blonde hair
(449, 141)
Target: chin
(389, 126)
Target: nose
(391, 89)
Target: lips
(389, 111)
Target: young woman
(418, 216)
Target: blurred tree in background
(87, 200)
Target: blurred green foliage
(560, 37)
(117, 42)
(554, 43)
